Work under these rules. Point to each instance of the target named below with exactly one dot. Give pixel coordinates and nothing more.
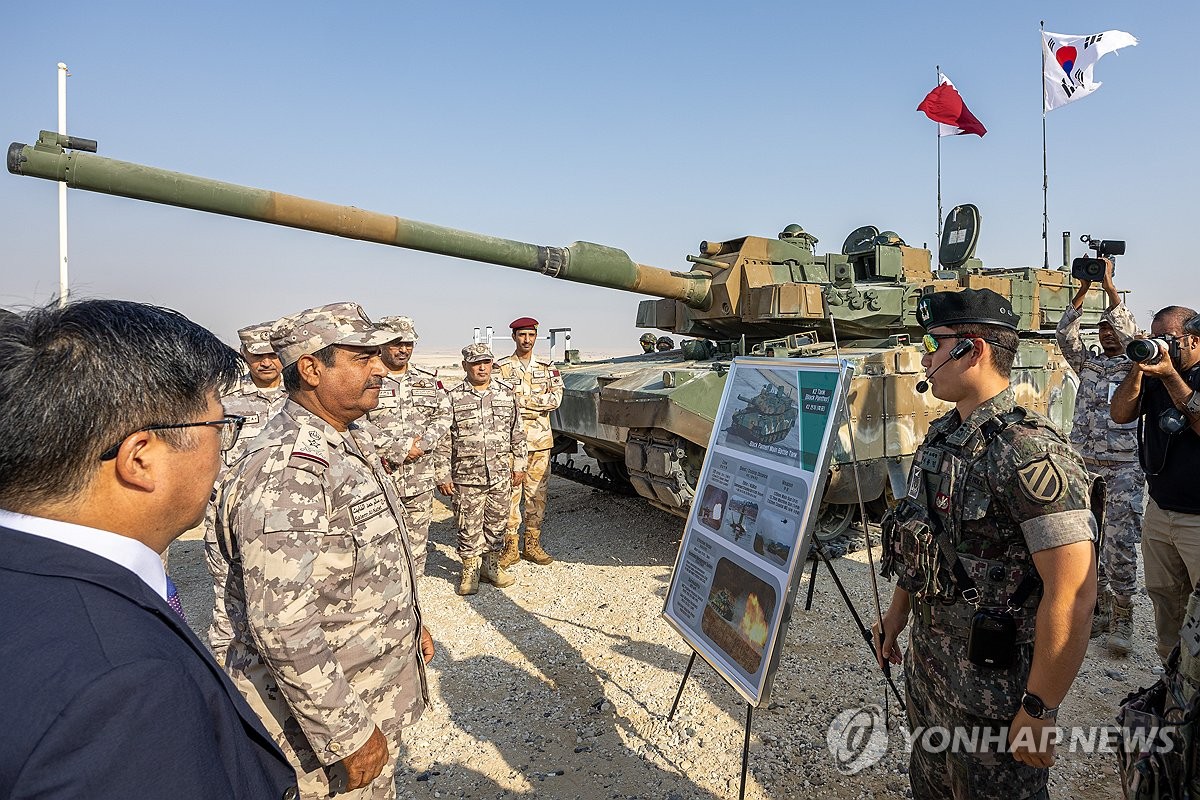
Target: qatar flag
(945, 106)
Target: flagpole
(937, 131)
(1045, 174)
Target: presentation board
(756, 504)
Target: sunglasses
(931, 342)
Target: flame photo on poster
(735, 619)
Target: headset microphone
(960, 350)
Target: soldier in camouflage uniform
(1109, 450)
(328, 641)
(478, 463)
(256, 398)
(995, 492)
(539, 390)
(647, 342)
(415, 413)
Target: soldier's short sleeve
(280, 544)
(1043, 485)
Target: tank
(767, 417)
(646, 418)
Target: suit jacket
(108, 693)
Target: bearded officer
(993, 552)
(415, 413)
(328, 641)
(539, 389)
(255, 398)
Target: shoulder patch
(311, 446)
(1041, 480)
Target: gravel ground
(559, 686)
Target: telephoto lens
(1145, 351)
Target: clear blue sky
(648, 126)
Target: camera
(1086, 268)
(1146, 351)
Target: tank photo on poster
(762, 419)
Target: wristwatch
(1192, 406)
(1036, 708)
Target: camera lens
(1143, 351)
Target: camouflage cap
(648, 338)
(967, 306)
(474, 353)
(256, 339)
(306, 332)
(402, 328)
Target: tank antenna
(862, 506)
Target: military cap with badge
(402, 328)
(256, 339)
(475, 353)
(308, 331)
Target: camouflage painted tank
(767, 417)
(647, 418)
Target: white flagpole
(1045, 174)
(62, 190)
(937, 131)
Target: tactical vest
(948, 486)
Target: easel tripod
(819, 548)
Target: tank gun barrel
(54, 158)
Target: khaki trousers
(1171, 554)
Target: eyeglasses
(931, 342)
(230, 425)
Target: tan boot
(512, 550)
(533, 548)
(493, 573)
(468, 582)
(1120, 641)
(1102, 616)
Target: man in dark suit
(111, 430)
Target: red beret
(523, 322)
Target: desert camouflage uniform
(539, 389)
(1109, 448)
(485, 446)
(322, 596)
(1026, 491)
(413, 407)
(257, 406)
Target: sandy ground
(560, 685)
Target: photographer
(1109, 450)
(1159, 393)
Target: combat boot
(533, 548)
(512, 550)
(1120, 641)
(1102, 616)
(468, 582)
(493, 573)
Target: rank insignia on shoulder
(1041, 480)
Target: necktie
(173, 599)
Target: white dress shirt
(121, 550)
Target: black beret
(977, 306)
